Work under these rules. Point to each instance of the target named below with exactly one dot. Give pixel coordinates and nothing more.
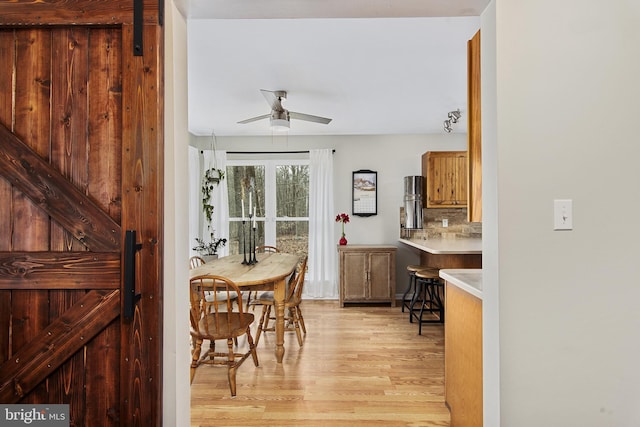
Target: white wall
(176, 397)
(392, 156)
(568, 100)
(490, 276)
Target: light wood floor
(359, 366)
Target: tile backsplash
(432, 225)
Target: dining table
(269, 273)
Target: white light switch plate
(563, 214)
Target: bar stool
(409, 301)
(430, 287)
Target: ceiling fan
(279, 116)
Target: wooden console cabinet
(367, 273)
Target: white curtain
(321, 282)
(220, 200)
(194, 198)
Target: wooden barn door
(81, 155)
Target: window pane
(235, 238)
(292, 191)
(292, 236)
(240, 240)
(240, 179)
(282, 202)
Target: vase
(343, 240)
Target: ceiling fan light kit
(280, 118)
(280, 124)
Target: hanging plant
(212, 177)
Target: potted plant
(209, 250)
(212, 177)
(343, 218)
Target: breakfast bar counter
(460, 263)
(467, 279)
(446, 245)
(448, 252)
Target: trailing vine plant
(212, 177)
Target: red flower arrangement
(343, 218)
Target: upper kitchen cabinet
(474, 147)
(446, 178)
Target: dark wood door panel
(81, 158)
(62, 127)
(59, 270)
(31, 118)
(67, 334)
(53, 193)
(142, 206)
(67, 12)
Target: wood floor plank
(359, 366)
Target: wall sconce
(453, 117)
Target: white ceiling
(373, 66)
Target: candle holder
(252, 257)
(244, 244)
(252, 243)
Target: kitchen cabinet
(367, 273)
(474, 142)
(446, 179)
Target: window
(280, 194)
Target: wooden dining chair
(294, 319)
(196, 261)
(260, 249)
(252, 295)
(221, 323)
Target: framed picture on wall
(365, 192)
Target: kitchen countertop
(467, 279)
(447, 245)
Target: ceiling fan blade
(273, 98)
(253, 119)
(309, 117)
